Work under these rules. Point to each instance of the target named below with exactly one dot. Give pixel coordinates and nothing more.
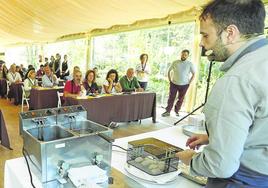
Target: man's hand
(186, 156)
(195, 141)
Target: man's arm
(192, 78)
(55, 80)
(136, 83)
(169, 71)
(193, 70)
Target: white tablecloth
(172, 135)
(16, 174)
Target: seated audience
(89, 84)
(98, 78)
(75, 68)
(40, 59)
(111, 84)
(3, 70)
(74, 87)
(46, 61)
(13, 76)
(41, 71)
(129, 82)
(64, 73)
(57, 65)
(49, 79)
(52, 63)
(30, 82)
(18, 69)
(30, 67)
(23, 69)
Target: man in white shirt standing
(13, 76)
(179, 82)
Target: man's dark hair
(187, 51)
(30, 66)
(247, 15)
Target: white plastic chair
(59, 98)
(24, 98)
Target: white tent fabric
(47, 20)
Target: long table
(44, 97)
(4, 139)
(117, 108)
(15, 92)
(17, 176)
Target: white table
(172, 135)
(17, 176)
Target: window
(162, 44)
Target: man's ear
(233, 34)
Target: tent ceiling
(46, 20)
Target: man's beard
(220, 52)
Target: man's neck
(233, 48)
(76, 82)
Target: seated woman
(30, 81)
(111, 84)
(74, 87)
(89, 84)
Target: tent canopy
(48, 20)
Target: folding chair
(24, 98)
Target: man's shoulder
(123, 78)
(176, 61)
(135, 78)
(188, 62)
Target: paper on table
(87, 175)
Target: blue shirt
(48, 81)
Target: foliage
(163, 45)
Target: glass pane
(121, 51)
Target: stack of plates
(160, 179)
